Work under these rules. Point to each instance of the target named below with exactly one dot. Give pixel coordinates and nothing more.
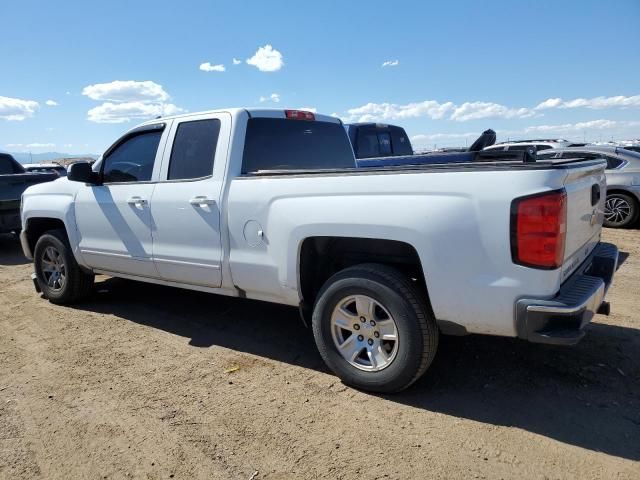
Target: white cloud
(51, 103)
(124, 112)
(236, 61)
(17, 109)
(126, 91)
(478, 110)
(617, 128)
(595, 103)
(274, 97)
(549, 103)
(266, 59)
(207, 67)
(30, 145)
(432, 137)
(391, 63)
(40, 145)
(372, 112)
(128, 100)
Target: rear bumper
(562, 320)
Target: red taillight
(538, 230)
(299, 115)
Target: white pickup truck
(269, 205)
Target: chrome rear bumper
(562, 320)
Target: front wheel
(58, 275)
(373, 328)
(620, 210)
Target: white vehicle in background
(534, 145)
(45, 168)
(269, 205)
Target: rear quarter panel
(458, 222)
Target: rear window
(521, 148)
(282, 144)
(374, 142)
(367, 143)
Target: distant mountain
(23, 157)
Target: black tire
(77, 284)
(628, 208)
(416, 328)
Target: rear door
(186, 204)
(113, 219)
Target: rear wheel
(621, 210)
(58, 275)
(373, 328)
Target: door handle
(202, 200)
(135, 200)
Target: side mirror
(82, 172)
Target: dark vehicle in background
(46, 168)
(622, 207)
(382, 145)
(14, 180)
(371, 140)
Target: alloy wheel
(364, 332)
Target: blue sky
(455, 68)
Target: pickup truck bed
(381, 259)
(445, 158)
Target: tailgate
(586, 191)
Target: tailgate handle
(595, 194)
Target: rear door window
(194, 149)
(132, 160)
(283, 144)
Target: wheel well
(321, 257)
(624, 192)
(37, 226)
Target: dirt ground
(151, 382)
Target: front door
(113, 218)
(187, 244)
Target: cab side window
(132, 160)
(194, 149)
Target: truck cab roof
(252, 112)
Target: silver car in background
(623, 180)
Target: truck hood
(61, 186)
